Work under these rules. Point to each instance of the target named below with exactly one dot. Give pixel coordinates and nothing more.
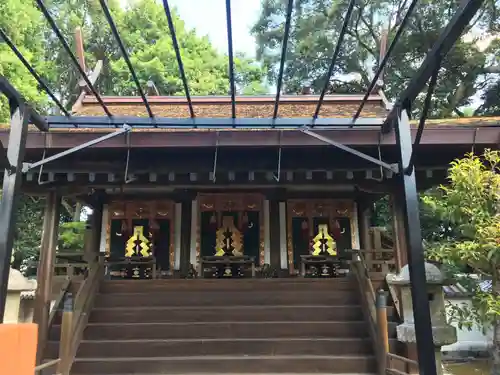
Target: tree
(28, 230)
(144, 31)
(21, 22)
(468, 69)
(71, 236)
(471, 202)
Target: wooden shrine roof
(291, 106)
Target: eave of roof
(484, 136)
(451, 123)
(262, 99)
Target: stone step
(227, 298)
(226, 313)
(201, 330)
(239, 285)
(227, 364)
(238, 346)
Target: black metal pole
(407, 191)
(231, 58)
(384, 61)
(72, 56)
(15, 97)
(335, 56)
(10, 191)
(175, 44)
(33, 72)
(288, 22)
(423, 117)
(116, 34)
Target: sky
(208, 17)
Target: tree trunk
(78, 212)
(495, 349)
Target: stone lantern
(443, 333)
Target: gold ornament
(228, 237)
(132, 245)
(323, 242)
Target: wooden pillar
(185, 235)
(45, 268)
(96, 227)
(399, 234)
(364, 223)
(274, 233)
(364, 214)
(265, 231)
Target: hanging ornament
(213, 222)
(305, 230)
(153, 225)
(124, 227)
(244, 222)
(336, 230)
(305, 225)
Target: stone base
(443, 335)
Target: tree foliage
(28, 229)
(143, 28)
(29, 225)
(21, 23)
(71, 236)
(468, 69)
(471, 201)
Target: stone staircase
(225, 326)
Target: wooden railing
(47, 365)
(75, 314)
(374, 306)
(367, 293)
(392, 359)
(67, 265)
(379, 262)
(380, 258)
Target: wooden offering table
(319, 265)
(226, 265)
(130, 267)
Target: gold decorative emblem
(324, 242)
(138, 244)
(228, 240)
